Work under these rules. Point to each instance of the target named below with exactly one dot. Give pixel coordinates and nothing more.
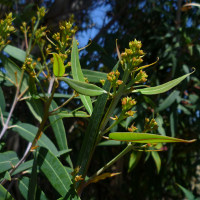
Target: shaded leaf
(32, 187)
(92, 131)
(36, 107)
(15, 52)
(188, 194)
(4, 194)
(168, 101)
(144, 138)
(7, 160)
(102, 177)
(12, 69)
(59, 130)
(54, 171)
(24, 187)
(2, 101)
(28, 132)
(157, 160)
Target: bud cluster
(150, 125)
(6, 28)
(133, 56)
(29, 66)
(113, 78)
(141, 77)
(39, 33)
(132, 128)
(127, 105)
(64, 37)
(41, 12)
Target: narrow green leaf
(58, 65)
(36, 108)
(7, 176)
(162, 88)
(7, 160)
(32, 189)
(18, 54)
(144, 138)
(54, 171)
(2, 101)
(168, 101)
(15, 52)
(12, 69)
(64, 114)
(94, 76)
(24, 167)
(4, 194)
(157, 160)
(134, 159)
(59, 131)
(188, 194)
(83, 88)
(78, 76)
(28, 132)
(24, 187)
(92, 131)
(110, 143)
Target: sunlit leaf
(78, 76)
(144, 138)
(83, 88)
(162, 88)
(58, 65)
(94, 76)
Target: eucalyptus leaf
(162, 88)
(94, 76)
(4, 194)
(157, 160)
(83, 88)
(2, 101)
(58, 65)
(65, 114)
(78, 76)
(28, 132)
(59, 131)
(54, 171)
(8, 160)
(24, 189)
(144, 138)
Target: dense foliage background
(168, 31)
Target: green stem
(115, 159)
(114, 102)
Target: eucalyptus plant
(37, 81)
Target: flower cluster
(150, 125)
(127, 105)
(29, 66)
(132, 128)
(6, 28)
(141, 77)
(64, 37)
(133, 56)
(113, 77)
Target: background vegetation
(168, 31)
